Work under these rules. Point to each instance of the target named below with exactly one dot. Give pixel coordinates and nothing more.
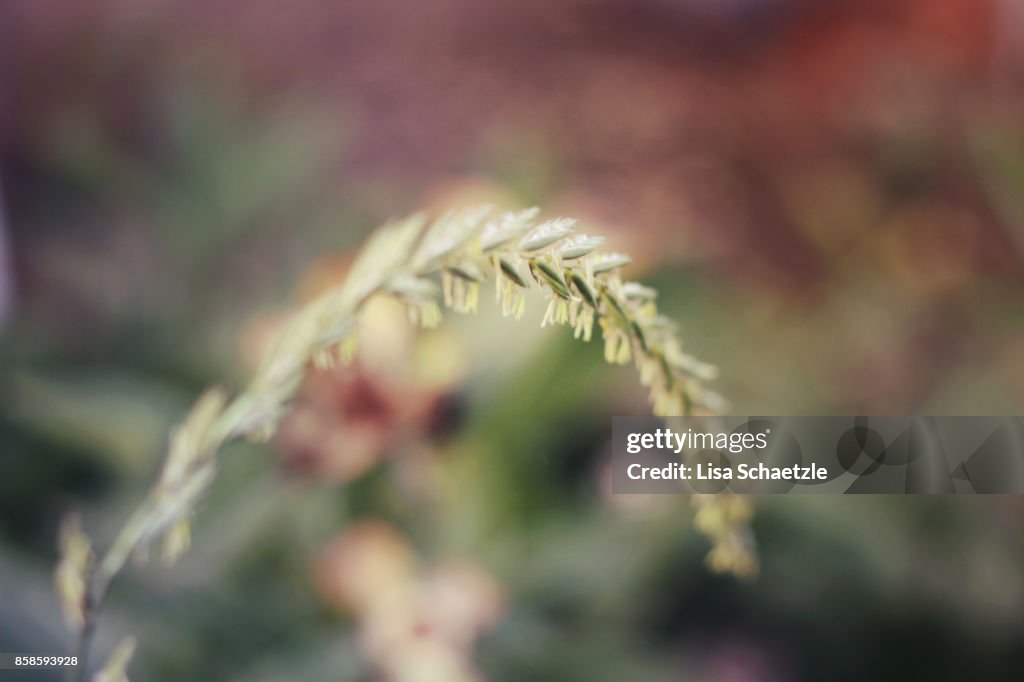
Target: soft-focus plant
(415, 622)
(404, 260)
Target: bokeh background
(828, 194)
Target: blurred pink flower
(415, 623)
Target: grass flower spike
(420, 263)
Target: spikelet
(116, 667)
(72, 573)
(723, 519)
